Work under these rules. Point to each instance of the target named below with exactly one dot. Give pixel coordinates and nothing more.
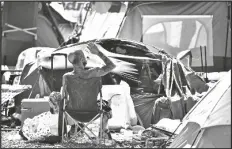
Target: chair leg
(101, 117)
(62, 119)
(76, 122)
(62, 137)
(85, 132)
(85, 126)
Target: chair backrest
(83, 93)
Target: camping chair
(81, 106)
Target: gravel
(11, 139)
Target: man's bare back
(79, 61)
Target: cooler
(33, 107)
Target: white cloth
(123, 111)
(40, 126)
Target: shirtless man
(79, 62)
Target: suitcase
(33, 107)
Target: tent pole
(227, 32)
(196, 138)
(123, 19)
(206, 71)
(202, 70)
(1, 12)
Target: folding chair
(81, 106)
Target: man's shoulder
(68, 74)
(89, 73)
(93, 69)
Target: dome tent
(208, 120)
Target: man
(79, 62)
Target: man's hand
(93, 48)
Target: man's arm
(109, 64)
(98, 72)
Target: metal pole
(201, 59)
(101, 115)
(52, 71)
(227, 33)
(206, 65)
(1, 11)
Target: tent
(208, 124)
(40, 26)
(177, 26)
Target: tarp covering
(179, 86)
(132, 27)
(209, 119)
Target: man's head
(77, 58)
